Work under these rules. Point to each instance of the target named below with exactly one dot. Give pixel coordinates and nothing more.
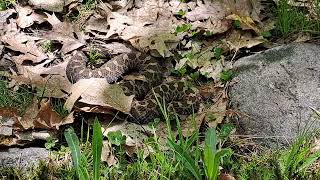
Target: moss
(278, 54)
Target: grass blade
(309, 161)
(96, 148)
(186, 159)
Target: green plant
(4, 4)
(183, 28)
(217, 53)
(80, 162)
(47, 46)
(298, 158)
(181, 13)
(51, 142)
(237, 24)
(58, 106)
(290, 20)
(94, 57)
(90, 4)
(188, 152)
(19, 99)
(226, 75)
(212, 156)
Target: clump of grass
(295, 162)
(291, 19)
(19, 99)
(58, 106)
(94, 57)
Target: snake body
(177, 94)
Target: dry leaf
(8, 117)
(51, 85)
(244, 8)
(135, 135)
(29, 116)
(237, 40)
(245, 22)
(26, 16)
(47, 118)
(224, 176)
(216, 113)
(96, 91)
(26, 45)
(107, 155)
(159, 42)
(43, 117)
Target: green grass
(58, 106)
(4, 4)
(47, 46)
(94, 57)
(19, 99)
(290, 20)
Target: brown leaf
(206, 11)
(70, 46)
(4, 16)
(24, 44)
(26, 16)
(8, 117)
(160, 43)
(29, 116)
(224, 176)
(48, 86)
(47, 118)
(238, 40)
(8, 141)
(52, 19)
(216, 113)
(245, 22)
(64, 32)
(43, 118)
(244, 8)
(96, 91)
(107, 155)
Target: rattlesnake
(177, 94)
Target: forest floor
(79, 124)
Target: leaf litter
(163, 28)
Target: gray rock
(22, 158)
(276, 89)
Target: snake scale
(178, 96)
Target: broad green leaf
(73, 143)
(96, 148)
(209, 152)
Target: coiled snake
(177, 94)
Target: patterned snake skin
(177, 95)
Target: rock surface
(22, 158)
(276, 90)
